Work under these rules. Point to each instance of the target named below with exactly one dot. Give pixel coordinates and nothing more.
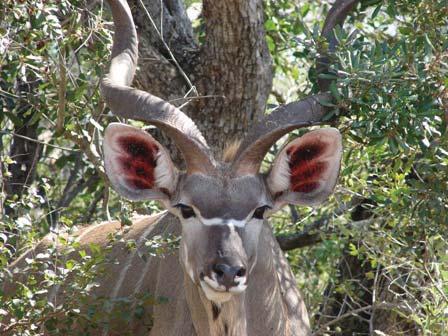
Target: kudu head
(221, 205)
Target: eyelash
(186, 211)
(259, 212)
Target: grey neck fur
(212, 319)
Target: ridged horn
(286, 118)
(128, 102)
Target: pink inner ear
(305, 168)
(138, 161)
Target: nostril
(223, 270)
(241, 272)
(219, 270)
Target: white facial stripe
(220, 221)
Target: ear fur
(138, 166)
(306, 170)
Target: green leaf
(270, 25)
(376, 11)
(304, 9)
(334, 91)
(271, 43)
(353, 250)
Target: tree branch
(61, 93)
(301, 239)
(89, 151)
(92, 207)
(309, 236)
(324, 327)
(72, 190)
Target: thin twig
(84, 145)
(192, 87)
(324, 327)
(61, 92)
(441, 292)
(197, 97)
(309, 236)
(72, 177)
(38, 141)
(106, 200)
(10, 95)
(92, 207)
(9, 328)
(75, 189)
(33, 163)
(278, 96)
(374, 290)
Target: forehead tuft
(220, 197)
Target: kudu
(229, 276)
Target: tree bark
(235, 67)
(231, 71)
(168, 35)
(23, 149)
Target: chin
(217, 296)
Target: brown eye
(259, 212)
(186, 211)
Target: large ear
(306, 170)
(138, 167)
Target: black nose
(226, 274)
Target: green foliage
(391, 92)
(60, 38)
(391, 102)
(52, 56)
(63, 261)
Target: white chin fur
(241, 286)
(213, 284)
(213, 295)
(217, 293)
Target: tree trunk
(235, 67)
(231, 70)
(24, 149)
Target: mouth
(218, 293)
(215, 295)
